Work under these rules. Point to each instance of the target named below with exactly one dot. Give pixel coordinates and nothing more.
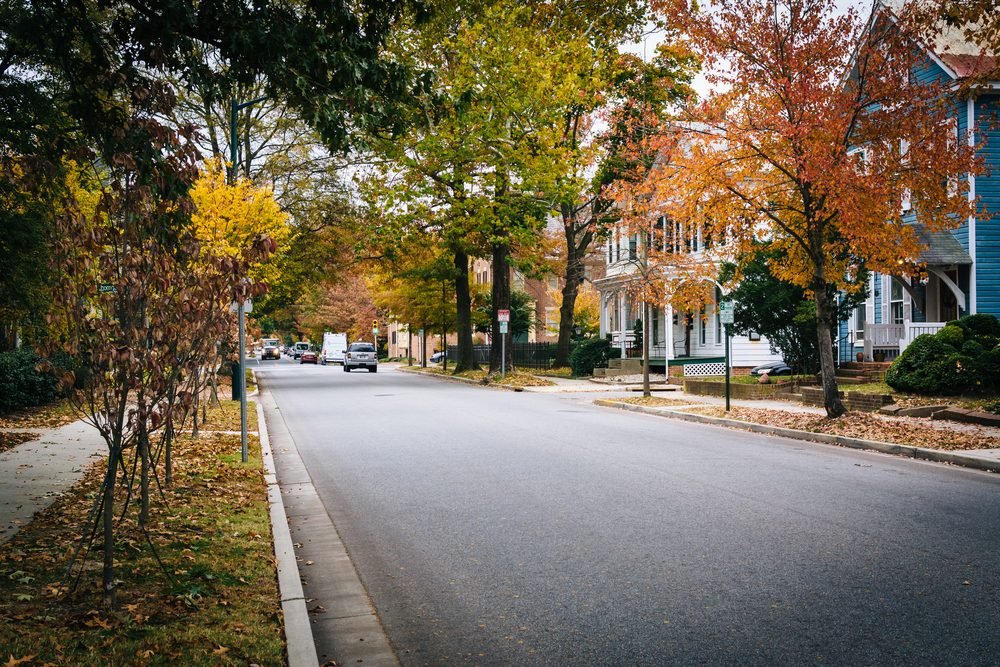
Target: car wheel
(372, 369)
(347, 369)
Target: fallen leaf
(14, 662)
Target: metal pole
(245, 456)
(727, 367)
(233, 108)
(503, 355)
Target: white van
(334, 348)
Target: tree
(781, 311)
(522, 314)
(816, 133)
(631, 93)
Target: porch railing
(894, 338)
(914, 329)
(656, 350)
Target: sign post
(726, 316)
(503, 318)
(242, 308)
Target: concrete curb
(452, 378)
(298, 632)
(936, 455)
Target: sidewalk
(35, 472)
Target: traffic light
(374, 324)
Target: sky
(647, 45)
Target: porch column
(622, 317)
(668, 330)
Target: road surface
(500, 528)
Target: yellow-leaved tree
(227, 218)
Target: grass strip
(218, 606)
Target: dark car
(308, 357)
(772, 368)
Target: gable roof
(949, 47)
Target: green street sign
(107, 288)
(726, 312)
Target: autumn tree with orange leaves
(815, 134)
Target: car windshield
(362, 347)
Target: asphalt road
(502, 528)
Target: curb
(452, 378)
(909, 451)
(300, 648)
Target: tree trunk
(825, 319)
(108, 519)
(463, 303)
(576, 251)
(194, 413)
(501, 301)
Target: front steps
(862, 372)
(618, 366)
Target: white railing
(881, 337)
(895, 336)
(914, 329)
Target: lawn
(213, 602)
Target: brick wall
(747, 391)
(853, 400)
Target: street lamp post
(234, 109)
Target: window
(393, 337)
(860, 314)
(518, 281)
(655, 332)
(551, 321)
(633, 243)
(703, 326)
(553, 283)
(896, 302)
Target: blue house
(963, 264)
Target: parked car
(299, 348)
(309, 356)
(361, 355)
(772, 368)
(438, 357)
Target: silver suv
(361, 355)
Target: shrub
(992, 407)
(926, 366)
(590, 354)
(980, 325)
(21, 385)
(964, 357)
(952, 335)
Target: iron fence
(523, 355)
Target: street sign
(726, 312)
(107, 288)
(503, 327)
(247, 306)
(503, 316)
